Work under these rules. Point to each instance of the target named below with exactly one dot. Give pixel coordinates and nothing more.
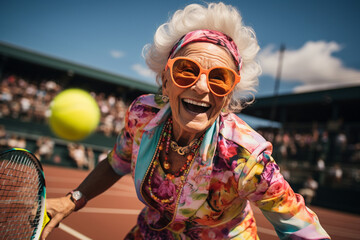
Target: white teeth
(201, 104)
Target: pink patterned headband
(210, 36)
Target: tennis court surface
(114, 213)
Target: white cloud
(143, 71)
(312, 64)
(116, 54)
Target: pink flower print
(268, 173)
(276, 188)
(165, 190)
(226, 150)
(156, 180)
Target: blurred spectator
(13, 141)
(107, 125)
(320, 164)
(309, 190)
(102, 155)
(324, 143)
(21, 142)
(91, 158)
(4, 110)
(336, 174)
(3, 137)
(341, 140)
(320, 170)
(78, 155)
(15, 109)
(340, 146)
(51, 86)
(355, 174)
(355, 157)
(45, 147)
(25, 108)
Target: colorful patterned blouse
(233, 166)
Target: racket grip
(46, 219)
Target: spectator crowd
(328, 163)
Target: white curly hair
(214, 16)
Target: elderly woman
(195, 164)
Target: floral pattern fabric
(233, 167)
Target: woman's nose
(201, 86)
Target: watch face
(76, 195)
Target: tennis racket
(22, 195)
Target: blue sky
(321, 37)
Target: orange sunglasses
(185, 72)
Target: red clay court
(114, 213)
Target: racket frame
(44, 218)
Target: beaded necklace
(166, 138)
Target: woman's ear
(164, 82)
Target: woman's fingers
(54, 223)
(57, 209)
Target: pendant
(166, 165)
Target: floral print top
(163, 188)
(233, 166)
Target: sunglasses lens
(221, 80)
(185, 72)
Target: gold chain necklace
(182, 150)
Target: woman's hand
(57, 209)
(99, 180)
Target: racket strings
(19, 197)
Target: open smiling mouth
(196, 107)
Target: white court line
(73, 232)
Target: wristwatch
(78, 199)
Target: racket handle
(46, 220)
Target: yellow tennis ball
(74, 114)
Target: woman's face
(195, 109)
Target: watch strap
(80, 202)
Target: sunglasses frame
(170, 65)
